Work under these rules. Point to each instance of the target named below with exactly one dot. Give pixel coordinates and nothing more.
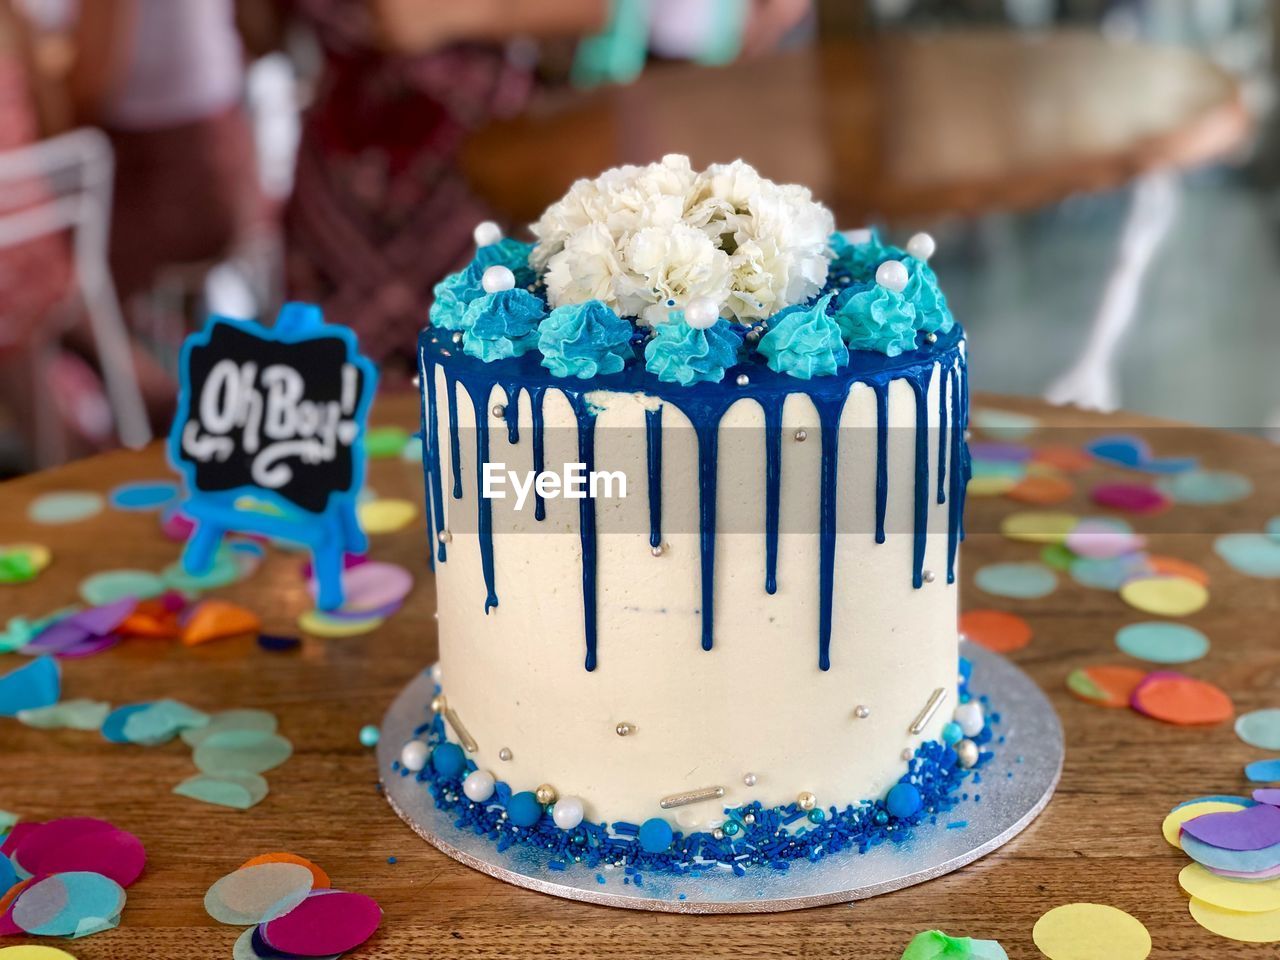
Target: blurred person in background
(380, 210)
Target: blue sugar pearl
(369, 735)
(882, 817)
(952, 734)
(523, 809)
(903, 800)
(817, 815)
(656, 835)
(448, 760)
(731, 828)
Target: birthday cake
(695, 468)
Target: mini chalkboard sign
(269, 435)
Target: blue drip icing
(653, 457)
(965, 466)
(773, 489)
(431, 459)
(943, 383)
(920, 527)
(479, 401)
(705, 404)
(882, 455)
(536, 396)
(455, 445)
(511, 413)
(587, 525)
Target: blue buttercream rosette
(502, 324)
(679, 353)
(509, 253)
(878, 319)
(456, 292)
(583, 340)
(805, 342)
(932, 313)
(860, 260)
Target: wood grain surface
(1099, 840)
(902, 127)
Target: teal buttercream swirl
(805, 342)
(502, 324)
(583, 340)
(509, 253)
(878, 319)
(459, 290)
(859, 261)
(679, 353)
(932, 313)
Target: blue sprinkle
(957, 824)
(600, 879)
(391, 859)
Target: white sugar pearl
(414, 756)
(892, 275)
(688, 818)
(567, 812)
(858, 237)
(921, 246)
(487, 233)
(497, 278)
(701, 313)
(969, 716)
(478, 786)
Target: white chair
(63, 186)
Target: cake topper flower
(645, 240)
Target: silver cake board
(1016, 784)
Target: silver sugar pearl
(457, 336)
(930, 338)
(907, 754)
(499, 410)
(928, 576)
(801, 436)
(806, 800)
(659, 550)
(967, 752)
(749, 779)
(718, 833)
(748, 818)
(753, 336)
(861, 711)
(444, 536)
(504, 754)
(416, 380)
(743, 380)
(624, 729)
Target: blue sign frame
(330, 532)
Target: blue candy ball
(952, 734)
(369, 735)
(523, 809)
(656, 835)
(448, 760)
(903, 800)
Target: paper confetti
(1228, 894)
(320, 879)
(1206, 487)
(67, 715)
(143, 495)
(38, 684)
(161, 721)
(241, 751)
(34, 952)
(386, 516)
(1165, 596)
(1129, 497)
(327, 922)
(1027, 581)
(111, 585)
(1171, 828)
(1234, 925)
(1091, 931)
(1260, 728)
(371, 590)
(318, 624)
(218, 620)
(1039, 527)
(1134, 452)
(80, 844)
(1102, 538)
(1162, 642)
(936, 945)
(239, 791)
(995, 630)
(1176, 567)
(1253, 554)
(1104, 685)
(1263, 771)
(69, 506)
(1042, 489)
(385, 442)
(1109, 573)
(1178, 699)
(1004, 424)
(71, 904)
(1241, 861)
(253, 895)
(242, 719)
(23, 562)
(1252, 828)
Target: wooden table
(1099, 840)
(908, 126)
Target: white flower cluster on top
(645, 239)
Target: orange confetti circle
(1106, 686)
(320, 878)
(1185, 701)
(1045, 490)
(1176, 567)
(1070, 459)
(995, 630)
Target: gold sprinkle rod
(468, 742)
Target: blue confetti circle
(1023, 581)
(144, 495)
(1160, 642)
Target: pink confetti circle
(327, 922)
(76, 844)
(1129, 497)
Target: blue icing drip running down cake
(695, 530)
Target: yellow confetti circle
(1091, 931)
(37, 553)
(386, 516)
(1172, 826)
(1228, 894)
(1234, 925)
(33, 952)
(318, 624)
(1039, 526)
(990, 486)
(1165, 596)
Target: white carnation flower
(636, 237)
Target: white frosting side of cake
(755, 703)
